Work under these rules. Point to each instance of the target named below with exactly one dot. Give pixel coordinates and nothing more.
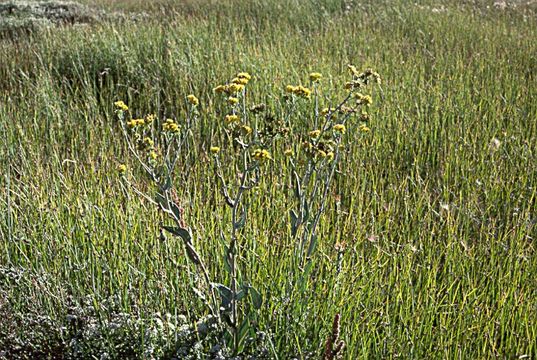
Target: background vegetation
(427, 249)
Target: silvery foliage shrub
(84, 332)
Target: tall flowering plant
(249, 147)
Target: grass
(426, 250)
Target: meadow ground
(427, 245)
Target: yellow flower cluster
(261, 155)
(362, 99)
(314, 134)
(354, 71)
(133, 123)
(364, 128)
(214, 150)
(147, 145)
(236, 86)
(231, 119)
(170, 126)
(120, 105)
(246, 130)
(370, 73)
(232, 100)
(244, 75)
(229, 89)
(148, 142)
(340, 128)
(363, 78)
(315, 76)
(240, 81)
(307, 146)
(321, 150)
(193, 100)
(347, 110)
(299, 90)
(220, 89)
(325, 111)
(350, 85)
(257, 108)
(150, 118)
(122, 169)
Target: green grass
(436, 210)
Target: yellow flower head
(314, 134)
(214, 150)
(353, 70)
(170, 126)
(307, 145)
(346, 110)
(340, 128)
(303, 92)
(133, 123)
(261, 155)
(315, 76)
(362, 99)
(377, 78)
(240, 80)
(235, 88)
(298, 90)
(288, 152)
(290, 88)
(150, 118)
(364, 128)
(325, 111)
(120, 105)
(153, 155)
(193, 100)
(321, 153)
(220, 89)
(330, 156)
(148, 142)
(246, 130)
(122, 169)
(244, 75)
(232, 100)
(231, 119)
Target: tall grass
(427, 249)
